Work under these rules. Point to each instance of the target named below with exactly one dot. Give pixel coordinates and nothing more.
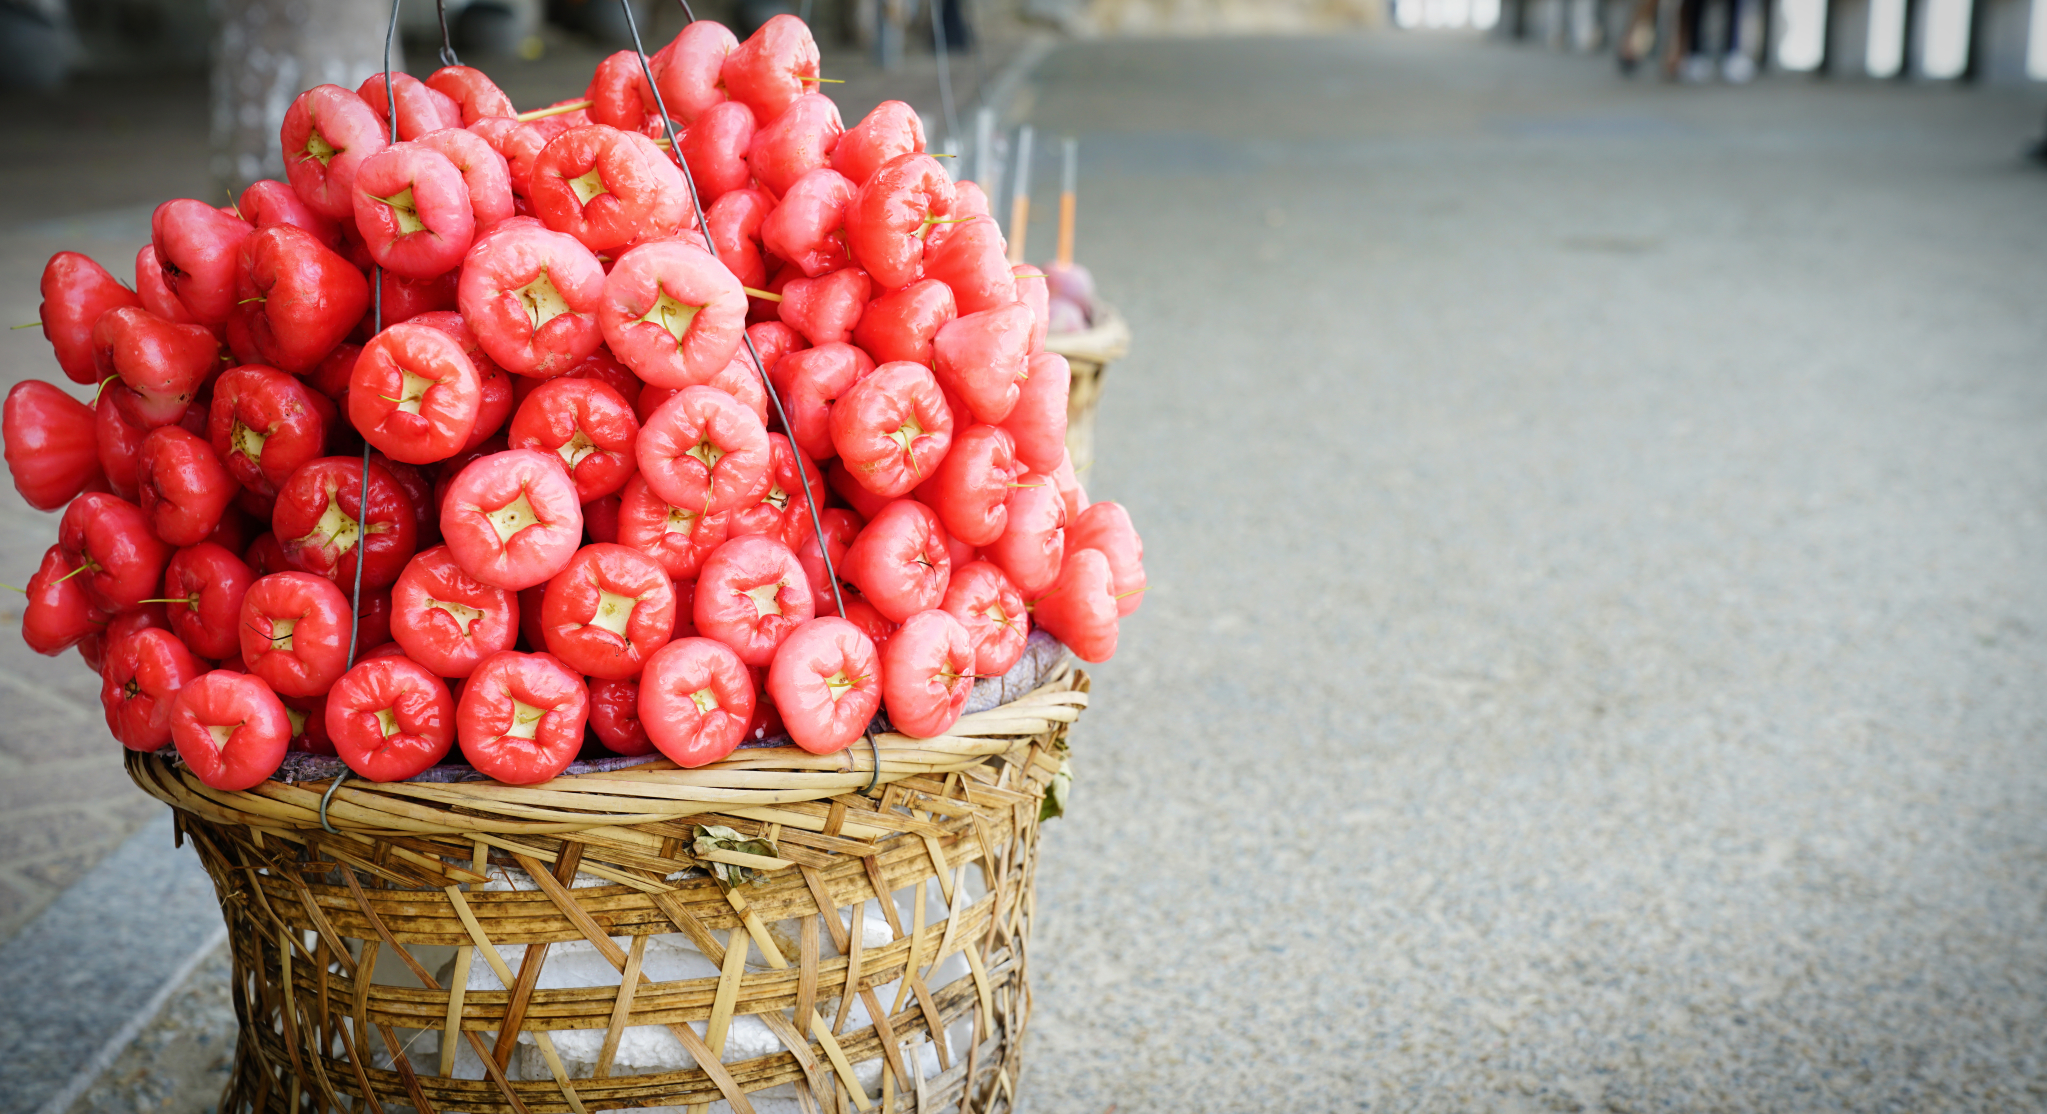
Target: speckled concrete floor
(1596, 646)
(1594, 657)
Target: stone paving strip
(93, 969)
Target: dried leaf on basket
(1054, 804)
(717, 837)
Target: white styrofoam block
(506, 878)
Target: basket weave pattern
(357, 951)
(1088, 355)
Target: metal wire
(696, 203)
(447, 44)
(343, 776)
(362, 507)
(952, 120)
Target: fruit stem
(257, 298)
(763, 295)
(12, 588)
(825, 80)
(553, 110)
(30, 325)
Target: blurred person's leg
(1698, 57)
(1680, 37)
(1639, 35)
(1737, 67)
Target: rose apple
(587, 425)
(294, 630)
(60, 612)
(196, 246)
(390, 718)
(76, 291)
(901, 324)
(809, 382)
(1079, 609)
(826, 681)
(695, 701)
(531, 296)
(110, 538)
(1033, 542)
(690, 81)
(265, 424)
(992, 610)
(486, 179)
(826, 309)
(677, 537)
(298, 299)
(445, 619)
(970, 490)
(184, 488)
(797, 141)
(889, 131)
(321, 523)
(772, 67)
(421, 108)
(892, 428)
(899, 561)
(615, 717)
(607, 611)
(52, 450)
(521, 717)
(704, 451)
(927, 673)
(474, 93)
(204, 585)
(511, 519)
(715, 147)
(414, 395)
(751, 593)
(413, 210)
(139, 680)
(889, 217)
(230, 729)
(327, 133)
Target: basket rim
(651, 793)
(1107, 340)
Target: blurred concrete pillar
(266, 52)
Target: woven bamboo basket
(777, 932)
(1089, 355)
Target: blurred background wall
(42, 42)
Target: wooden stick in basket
(1070, 176)
(1020, 196)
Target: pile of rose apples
(464, 439)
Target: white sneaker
(1698, 69)
(1739, 68)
